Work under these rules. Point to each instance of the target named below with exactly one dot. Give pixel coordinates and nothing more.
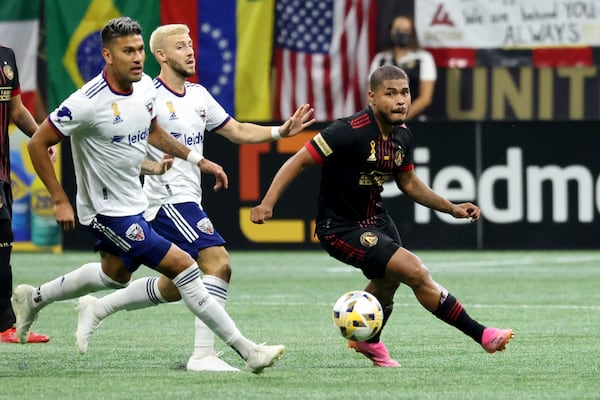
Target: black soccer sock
(452, 312)
(387, 311)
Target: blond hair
(157, 38)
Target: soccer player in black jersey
(11, 108)
(358, 154)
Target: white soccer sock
(204, 306)
(141, 293)
(204, 340)
(85, 279)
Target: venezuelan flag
(73, 39)
(234, 55)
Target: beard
(185, 72)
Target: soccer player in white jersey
(111, 120)
(187, 111)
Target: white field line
(511, 262)
(396, 304)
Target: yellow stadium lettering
(275, 231)
(525, 93)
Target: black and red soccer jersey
(356, 161)
(9, 87)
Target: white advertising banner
(507, 23)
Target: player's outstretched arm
(162, 140)
(246, 132)
(288, 172)
(412, 186)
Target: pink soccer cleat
(10, 336)
(375, 352)
(495, 339)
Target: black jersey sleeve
(329, 142)
(403, 157)
(10, 73)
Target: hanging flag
(234, 55)
(73, 39)
(322, 54)
(182, 12)
(19, 29)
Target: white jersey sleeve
(381, 58)
(187, 117)
(428, 69)
(109, 140)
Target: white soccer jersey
(185, 116)
(109, 140)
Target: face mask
(401, 39)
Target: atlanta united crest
(368, 239)
(8, 72)
(399, 156)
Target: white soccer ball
(358, 315)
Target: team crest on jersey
(62, 114)
(171, 108)
(8, 72)
(201, 113)
(135, 232)
(205, 226)
(368, 239)
(149, 107)
(399, 156)
(116, 113)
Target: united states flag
(323, 49)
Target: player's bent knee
(215, 261)
(167, 289)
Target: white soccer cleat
(209, 362)
(87, 323)
(25, 313)
(263, 356)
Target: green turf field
(550, 299)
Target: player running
(358, 154)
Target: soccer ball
(358, 315)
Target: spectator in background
(11, 109)
(406, 53)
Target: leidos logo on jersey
(132, 138)
(188, 140)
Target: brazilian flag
(73, 44)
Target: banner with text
(508, 23)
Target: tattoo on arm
(25, 122)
